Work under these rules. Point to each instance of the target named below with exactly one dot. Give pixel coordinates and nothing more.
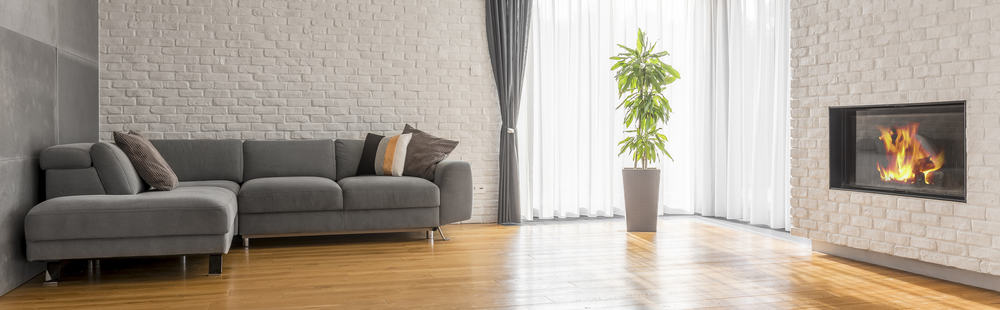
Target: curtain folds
(729, 130)
(569, 123)
(507, 24)
(750, 123)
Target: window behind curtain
(728, 131)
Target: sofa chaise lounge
(97, 206)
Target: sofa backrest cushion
(203, 160)
(348, 157)
(116, 172)
(72, 182)
(289, 158)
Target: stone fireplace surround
(852, 53)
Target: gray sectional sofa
(97, 206)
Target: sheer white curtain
(749, 120)
(728, 131)
(569, 125)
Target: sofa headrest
(66, 156)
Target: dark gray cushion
(290, 194)
(66, 156)
(183, 211)
(348, 157)
(369, 148)
(387, 192)
(70, 182)
(115, 170)
(230, 185)
(201, 160)
(264, 159)
(424, 152)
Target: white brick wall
(263, 69)
(898, 51)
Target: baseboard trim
(952, 274)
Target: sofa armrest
(454, 179)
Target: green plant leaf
(673, 71)
(642, 77)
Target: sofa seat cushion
(230, 185)
(386, 192)
(181, 212)
(290, 194)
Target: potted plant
(642, 77)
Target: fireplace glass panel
(916, 150)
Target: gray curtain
(507, 30)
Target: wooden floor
(691, 263)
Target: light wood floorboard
(690, 263)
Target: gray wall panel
(78, 28)
(78, 100)
(19, 191)
(48, 92)
(27, 124)
(27, 96)
(32, 18)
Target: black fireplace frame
(839, 125)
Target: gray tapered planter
(642, 196)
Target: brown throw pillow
(424, 153)
(147, 160)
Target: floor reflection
(691, 262)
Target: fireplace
(901, 149)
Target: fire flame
(909, 161)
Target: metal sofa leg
(53, 272)
(215, 264)
(441, 231)
(246, 242)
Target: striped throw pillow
(148, 162)
(390, 156)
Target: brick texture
(897, 51)
(253, 69)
